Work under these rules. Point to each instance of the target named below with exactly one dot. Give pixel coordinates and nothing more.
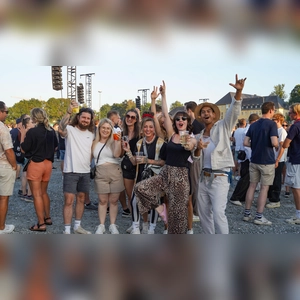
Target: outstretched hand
(155, 93)
(162, 88)
(239, 83)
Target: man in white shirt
(79, 136)
(275, 189)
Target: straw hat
(214, 108)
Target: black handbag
(27, 164)
(241, 155)
(93, 169)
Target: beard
(83, 127)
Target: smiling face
(149, 130)
(207, 115)
(84, 120)
(130, 118)
(105, 130)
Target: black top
(177, 156)
(41, 143)
(126, 164)
(151, 151)
(197, 127)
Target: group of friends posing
(161, 181)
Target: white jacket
(220, 134)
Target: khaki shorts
(292, 177)
(7, 180)
(109, 179)
(262, 173)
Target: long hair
(136, 124)
(147, 119)
(39, 116)
(75, 119)
(98, 133)
(189, 126)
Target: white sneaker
(145, 228)
(100, 229)
(165, 231)
(196, 218)
(113, 229)
(135, 230)
(7, 229)
(248, 218)
(293, 220)
(237, 178)
(81, 230)
(191, 231)
(236, 202)
(273, 205)
(65, 232)
(262, 221)
(150, 231)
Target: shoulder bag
(93, 169)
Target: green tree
(23, 107)
(279, 91)
(56, 108)
(295, 95)
(175, 104)
(104, 110)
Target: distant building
(251, 104)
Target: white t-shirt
(106, 155)
(239, 136)
(78, 150)
(282, 134)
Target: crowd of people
(174, 167)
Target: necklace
(150, 142)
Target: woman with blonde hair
(106, 150)
(38, 144)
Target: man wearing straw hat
(213, 149)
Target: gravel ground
(22, 214)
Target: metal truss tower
(71, 81)
(144, 95)
(88, 88)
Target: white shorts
(292, 177)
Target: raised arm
(168, 122)
(66, 118)
(238, 85)
(154, 95)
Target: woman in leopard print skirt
(173, 178)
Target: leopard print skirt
(173, 181)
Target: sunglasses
(131, 117)
(284, 125)
(6, 111)
(181, 118)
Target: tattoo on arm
(63, 125)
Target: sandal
(37, 227)
(49, 222)
(164, 214)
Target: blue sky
(194, 64)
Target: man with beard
(79, 135)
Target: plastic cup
(75, 110)
(183, 137)
(205, 144)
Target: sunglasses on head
(130, 117)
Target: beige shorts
(7, 181)
(109, 179)
(262, 173)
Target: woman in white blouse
(106, 150)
